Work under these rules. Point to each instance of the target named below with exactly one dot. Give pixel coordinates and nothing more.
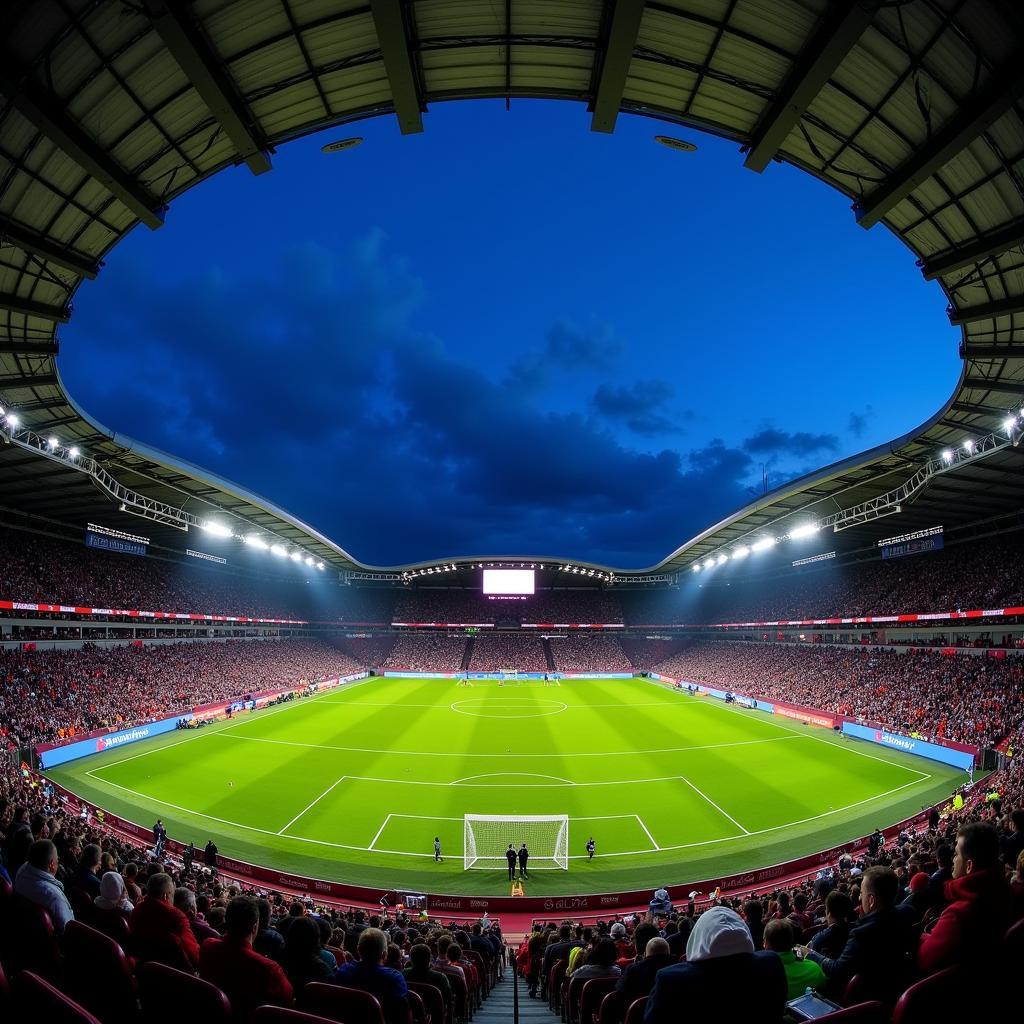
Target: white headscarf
(718, 932)
(112, 895)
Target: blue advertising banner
(947, 755)
(98, 744)
(913, 547)
(105, 543)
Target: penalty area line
(373, 841)
(647, 831)
(313, 804)
(725, 814)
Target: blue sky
(509, 335)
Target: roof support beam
(824, 52)
(389, 20)
(46, 112)
(184, 38)
(975, 115)
(972, 409)
(1009, 387)
(986, 311)
(52, 251)
(990, 244)
(13, 347)
(16, 304)
(615, 61)
(1014, 350)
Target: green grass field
(354, 784)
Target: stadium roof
(111, 109)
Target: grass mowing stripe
(313, 804)
(726, 814)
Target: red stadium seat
(284, 1015)
(418, 1008)
(941, 996)
(112, 923)
(556, 974)
(5, 995)
(635, 1013)
(433, 1000)
(613, 1009)
(170, 996)
(862, 1013)
(29, 941)
(1013, 945)
(337, 1002)
(97, 974)
(591, 997)
(809, 933)
(43, 1002)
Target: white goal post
(486, 837)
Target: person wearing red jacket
(159, 930)
(971, 928)
(243, 975)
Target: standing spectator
(510, 856)
(210, 854)
(36, 881)
(971, 927)
(246, 978)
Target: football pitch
(353, 784)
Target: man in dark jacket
(723, 979)
(878, 947)
(971, 927)
(210, 854)
(524, 856)
(510, 856)
(637, 979)
(556, 951)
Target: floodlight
(947, 456)
(217, 529)
(308, 560)
(256, 541)
(296, 556)
(968, 445)
(1009, 424)
(722, 559)
(12, 420)
(52, 442)
(1, 410)
(741, 552)
(319, 565)
(73, 452)
(763, 544)
(709, 564)
(804, 530)
(696, 566)
(278, 550)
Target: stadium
(778, 737)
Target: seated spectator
(877, 948)
(723, 979)
(185, 901)
(637, 980)
(918, 898)
(369, 974)
(753, 911)
(419, 969)
(798, 916)
(269, 941)
(159, 930)
(86, 876)
(1013, 844)
(801, 974)
(831, 940)
(112, 895)
(302, 960)
(971, 927)
(36, 881)
(601, 961)
(246, 978)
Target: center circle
(483, 707)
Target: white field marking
(312, 804)
(519, 775)
(647, 831)
(373, 841)
(540, 709)
(202, 733)
(835, 746)
(725, 814)
(506, 701)
(571, 856)
(582, 753)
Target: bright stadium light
(804, 530)
(968, 446)
(296, 556)
(1009, 423)
(709, 564)
(696, 566)
(763, 544)
(256, 541)
(319, 565)
(308, 560)
(722, 559)
(947, 456)
(74, 453)
(12, 420)
(217, 529)
(52, 442)
(741, 552)
(279, 550)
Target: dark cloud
(640, 406)
(566, 347)
(859, 421)
(312, 386)
(774, 442)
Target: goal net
(508, 673)
(486, 837)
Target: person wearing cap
(618, 935)
(723, 978)
(661, 903)
(918, 899)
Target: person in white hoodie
(35, 881)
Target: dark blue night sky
(510, 335)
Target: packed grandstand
(142, 608)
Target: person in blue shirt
(369, 974)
